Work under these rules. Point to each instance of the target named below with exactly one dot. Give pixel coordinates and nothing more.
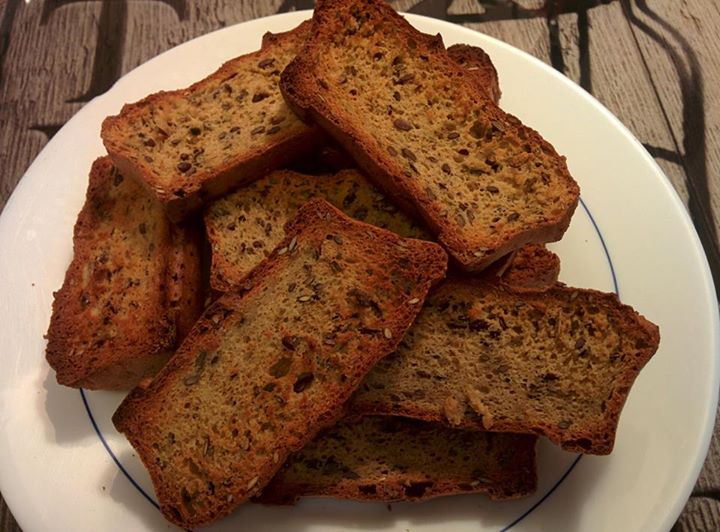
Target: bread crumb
(453, 410)
(476, 402)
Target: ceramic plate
(64, 467)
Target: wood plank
(7, 521)
(616, 76)
(32, 100)
(700, 514)
(180, 25)
(709, 479)
(678, 40)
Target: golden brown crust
(316, 92)
(270, 364)
(113, 322)
(183, 192)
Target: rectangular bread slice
(559, 363)
(131, 292)
(245, 226)
(197, 143)
(331, 158)
(269, 365)
(417, 123)
(385, 458)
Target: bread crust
(180, 193)
(220, 480)
(113, 325)
(317, 100)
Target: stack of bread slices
(376, 316)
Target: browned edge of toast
(192, 192)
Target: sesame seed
(387, 333)
(414, 301)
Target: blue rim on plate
(527, 512)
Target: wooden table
(654, 63)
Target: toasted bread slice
(386, 458)
(330, 157)
(197, 143)
(132, 290)
(266, 367)
(558, 363)
(417, 123)
(245, 226)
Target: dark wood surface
(654, 63)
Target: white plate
(64, 467)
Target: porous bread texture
(559, 363)
(244, 227)
(193, 144)
(269, 365)
(331, 158)
(131, 291)
(416, 122)
(385, 458)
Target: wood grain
(678, 41)
(654, 63)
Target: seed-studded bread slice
(332, 158)
(558, 363)
(245, 226)
(385, 458)
(131, 291)
(478, 64)
(269, 365)
(418, 124)
(197, 143)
